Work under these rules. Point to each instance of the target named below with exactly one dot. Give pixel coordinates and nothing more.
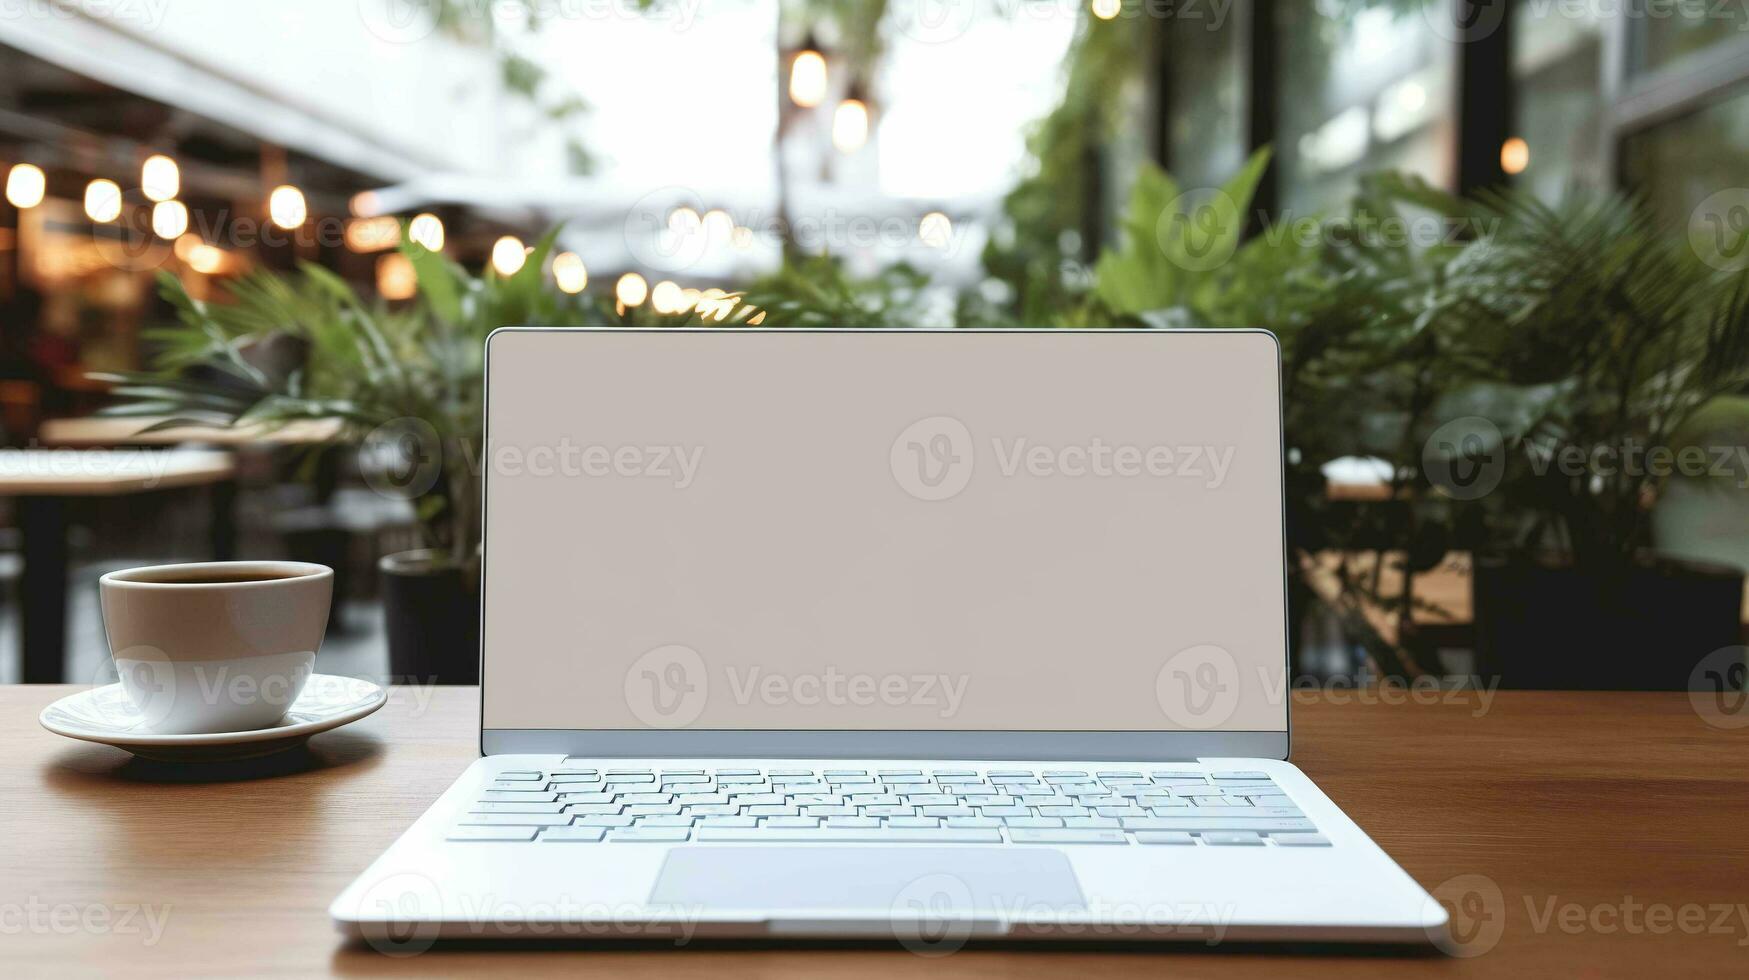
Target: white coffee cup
(223, 646)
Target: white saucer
(104, 714)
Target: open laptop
(934, 635)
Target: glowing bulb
(169, 219)
(184, 247)
(25, 185)
(102, 200)
(1514, 155)
(1107, 9)
(1412, 97)
(569, 272)
(684, 221)
(396, 278)
(287, 208)
(508, 255)
(160, 178)
(427, 230)
(631, 289)
(807, 79)
(373, 234)
(366, 204)
(742, 237)
(850, 126)
(935, 230)
(718, 226)
(205, 259)
(665, 298)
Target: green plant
(304, 345)
(1605, 337)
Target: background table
(1559, 799)
(42, 479)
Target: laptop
(934, 636)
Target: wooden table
(41, 480)
(1570, 804)
(104, 430)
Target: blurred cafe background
(249, 251)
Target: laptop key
(1231, 838)
(1164, 837)
(1032, 823)
(519, 775)
(792, 822)
(728, 821)
(517, 808)
(1066, 836)
(1300, 840)
(1090, 822)
(1205, 825)
(604, 820)
(583, 835)
(1247, 774)
(652, 834)
(873, 835)
(853, 823)
(515, 820)
(662, 821)
(589, 797)
(594, 809)
(513, 834)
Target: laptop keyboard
(1148, 806)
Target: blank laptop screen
(884, 530)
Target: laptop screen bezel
(1044, 746)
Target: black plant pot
(1642, 625)
(433, 617)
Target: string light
(807, 75)
(718, 226)
(935, 230)
(396, 277)
(666, 297)
(287, 208)
(206, 259)
(508, 255)
(427, 230)
(1514, 155)
(631, 290)
(684, 221)
(169, 219)
(1107, 9)
(366, 204)
(102, 200)
(160, 178)
(850, 125)
(25, 186)
(570, 273)
(372, 234)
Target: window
(1679, 164)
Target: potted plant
(1606, 339)
(406, 382)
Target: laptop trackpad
(906, 880)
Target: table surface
(108, 472)
(1576, 806)
(114, 431)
